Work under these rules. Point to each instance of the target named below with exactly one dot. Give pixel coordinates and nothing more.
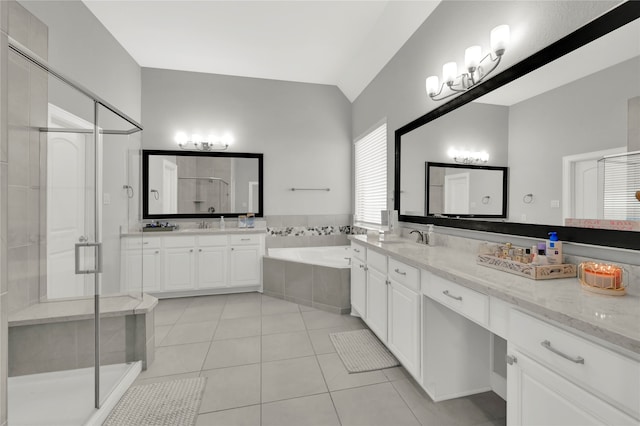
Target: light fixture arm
(466, 81)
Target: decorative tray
(528, 270)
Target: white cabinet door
(244, 264)
(539, 396)
(142, 270)
(178, 269)
(404, 326)
(212, 265)
(377, 303)
(359, 288)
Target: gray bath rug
(360, 350)
(170, 403)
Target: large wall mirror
(551, 119)
(190, 184)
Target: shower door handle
(98, 257)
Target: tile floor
(270, 362)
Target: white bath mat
(170, 403)
(360, 350)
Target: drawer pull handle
(398, 271)
(146, 242)
(361, 266)
(547, 345)
(245, 239)
(446, 293)
(356, 250)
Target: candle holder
(602, 278)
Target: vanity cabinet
(556, 377)
(358, 280)
(244, 260)
(141, 260)
(184, 264)
(388, 289)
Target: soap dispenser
(554, 249)
(221, 222)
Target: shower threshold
(66, 397)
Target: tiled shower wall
(27, 112)
(308, 230)
(23, 106)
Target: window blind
(371, 176)
(621, 180)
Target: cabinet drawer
(212, 240)
(377, 261)
(138, 243)
(242, 239)
(180, 241)
(464, 301)
(614, 377)
(404, 274)
(359, 252)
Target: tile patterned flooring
(270, 362)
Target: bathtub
(332, 256)
(319, 277)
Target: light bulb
(181, 138)
(226, 139)
(432, 84)
(500, 36)
(483, 156)
(449, 72)
(472, 58)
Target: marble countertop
(198, 231)
(613, 319)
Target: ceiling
(342, 43)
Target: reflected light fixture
(197, 142)
(468, 157)
(476, 67)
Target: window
(371, 176)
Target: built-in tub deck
(58, 335)
(319, 277)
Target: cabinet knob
(361, 266)
(232, 249)
(191, 251)
(157, 251)
(199, 249)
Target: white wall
(398, 92)
(82, 48)
(303, 130)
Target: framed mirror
(464, 190)
(196, 184)
(550, 111)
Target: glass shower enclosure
(87, 197)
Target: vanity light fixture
(476, 67)
(197, 142)
(468, 157)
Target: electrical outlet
(555, 204)
(523, 217)
(106, 198)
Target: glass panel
(122, 252)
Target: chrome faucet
(420, 238)
(203, 225)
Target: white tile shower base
(67, 397)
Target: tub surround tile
(331, 286)
(298, 278)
